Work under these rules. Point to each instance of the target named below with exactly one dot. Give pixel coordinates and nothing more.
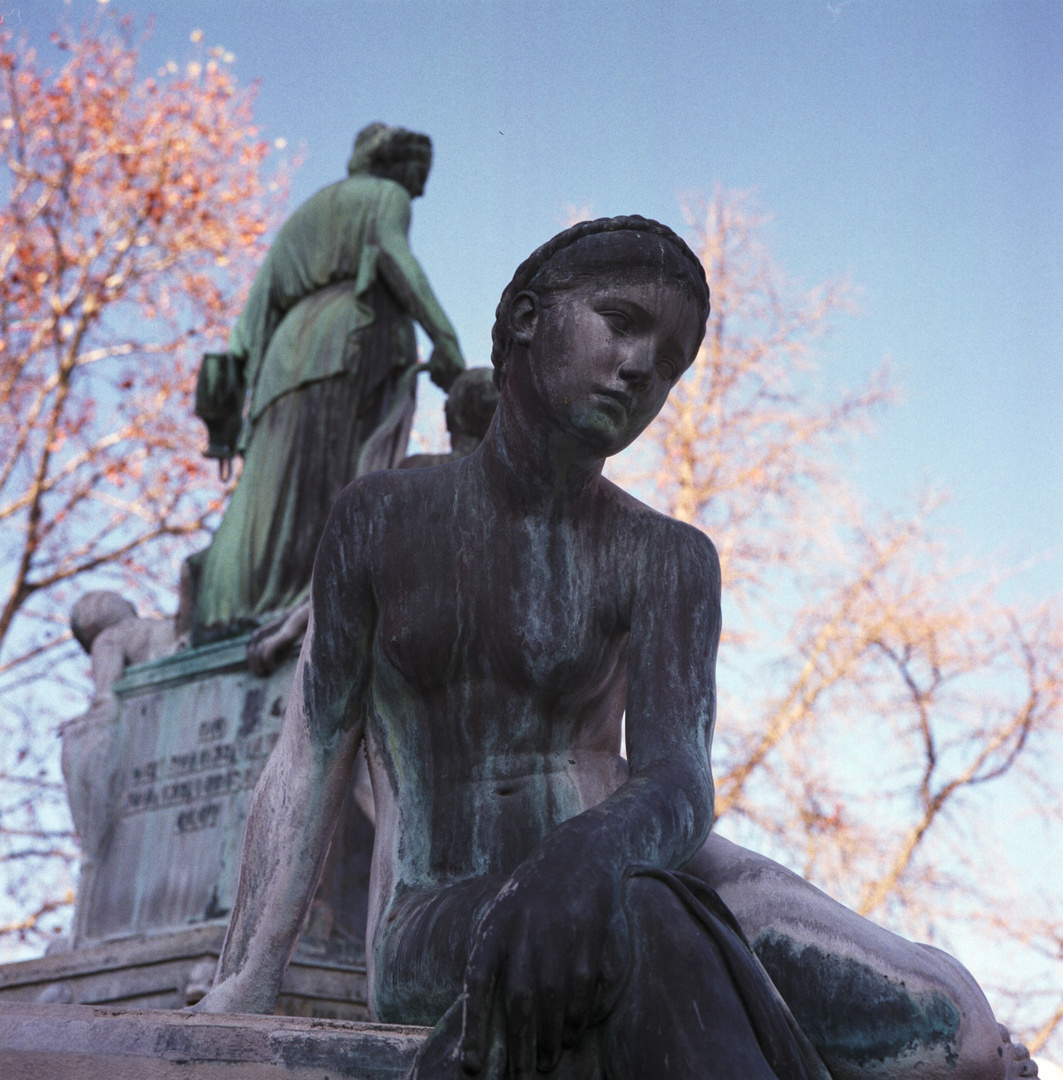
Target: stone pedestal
(194, 731)
(172, 970)
(77, 1042)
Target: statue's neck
(537, 467)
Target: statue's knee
(668, 945)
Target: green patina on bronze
(849, 1011)
(482, 628)
(326, 349)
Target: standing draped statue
(325, 350)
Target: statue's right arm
(297, 800)
(407, 280)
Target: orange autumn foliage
(133, 217)
(890, 716)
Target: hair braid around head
(529, 269)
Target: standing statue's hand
(446, 363)
(547, 954)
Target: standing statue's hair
(530, 270)
(380, 149)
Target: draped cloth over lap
(430, 930)
(330, 361)
(783, 1043)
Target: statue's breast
(536, 623)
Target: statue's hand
(264, 649)
(446, 363)
(547, 957)
(269, 643)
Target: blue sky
(917, 146)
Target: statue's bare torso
(528, 669)
(497, 639)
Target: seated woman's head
(609, 314)
(625, 248)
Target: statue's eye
(617, 320)
(668, 368)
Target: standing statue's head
(602, 320)
(394, 154)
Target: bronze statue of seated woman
(484, 626)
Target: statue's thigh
(873, 1004)
(421, 948)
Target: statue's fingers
(481, 976)
(521, 1024)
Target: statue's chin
(603, 433)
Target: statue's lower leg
(876, 1006)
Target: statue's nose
(636, 367)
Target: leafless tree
(132, 219)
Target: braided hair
(531, 269)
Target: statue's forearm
(659, 817)
(289, 826)
(407, 280)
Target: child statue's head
(95, 612)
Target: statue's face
(603, 356)
(415, 177)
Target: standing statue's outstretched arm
(407, 280)
(298, 797)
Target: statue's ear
(523, 316)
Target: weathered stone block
(196, 729)
(79, 1042)
(157, 971)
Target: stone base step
(84, 1042)
(157, 971)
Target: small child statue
(108, 629)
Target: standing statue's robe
(330, 358)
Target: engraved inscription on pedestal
(195, 732)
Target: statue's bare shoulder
(372, 510)
(671, 551)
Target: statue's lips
(617, 396)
